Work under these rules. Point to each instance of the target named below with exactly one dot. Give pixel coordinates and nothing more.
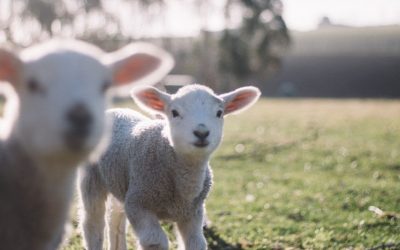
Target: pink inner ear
(135, 67)
(8, 67)
(152, 100)
(239, 101)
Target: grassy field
(301, 174)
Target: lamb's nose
(201, 132)
(79, 119)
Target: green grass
(301, 174)
(305, 174)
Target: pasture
(301, 174)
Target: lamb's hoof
(207, 223)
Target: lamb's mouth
(76, 140)
(201, 144)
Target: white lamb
(56, 121)
(158, 169)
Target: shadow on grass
(395, 167)
(379, 224)
(215, 242)
(388, 246)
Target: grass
(301, 174)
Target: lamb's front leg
(116, 225)
(191, 236)
(93, 197)
(146, 226)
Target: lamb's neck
(54, 184)
(56, 173)
(59, 180)
(190, 175)
(56, 180)
(58, 184)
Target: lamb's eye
(34, 86)
(219, 113)
(174, 113)
(106, 85)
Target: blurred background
(289, 48)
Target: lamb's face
(62, 97)
(195, 114)
(61, 87)
(195, 121)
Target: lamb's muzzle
(201, 132)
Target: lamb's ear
(138, 63)
(10, 67)
(150, 99)
(240, 99)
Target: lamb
(157, 169)
(57, 121)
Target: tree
(40, 19)
(257, 43)
(250, 45)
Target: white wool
(158, 169)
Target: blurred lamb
(55, 120)
(158, 169)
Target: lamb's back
(135, 145)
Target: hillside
(341, 62)
(379, 41)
